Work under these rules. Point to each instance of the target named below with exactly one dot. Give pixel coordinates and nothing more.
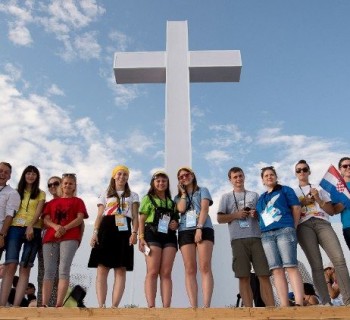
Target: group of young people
(266, 229)
(161, 225)
(264, 232)
(29, 225)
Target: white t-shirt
(9, 203)
(312, 210)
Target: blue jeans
(15, 239)
(280, 247)
(312, 234)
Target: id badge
(191, 218)
(243, 223)
(121, 223)
(163, 224)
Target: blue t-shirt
(345, 214)
(274, 208)
(195, 200)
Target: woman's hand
(173, 225)
(198, 236)
(133, 238)
(94, 240)
(29, 233)
(142, 244)
(60, 232)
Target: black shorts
(159, 239)
(187, 236)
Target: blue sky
(62, 110)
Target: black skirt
(113, 250)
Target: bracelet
(141, 236)
(199, 226)
(322, 203)
(96, 231)
(134, 232)
(183, 197)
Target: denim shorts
(15, 239)
(280, 247)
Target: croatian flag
(335, 185)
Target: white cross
(177, 67)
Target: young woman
(344, 168)
(157, 233)
(315, 231)
(53, 185)
(114, 235)
(279, 211)
(63, 217)
(25, 231)
(196, 235)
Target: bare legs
(6, 284)
(205, 250)
(102, 287)
(159, 262)
(282, 286)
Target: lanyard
(120, 208)
(3, 187)
(190, 203)
(236, 203)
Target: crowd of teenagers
(264, 232)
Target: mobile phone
(147, 250)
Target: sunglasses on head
(184, 176)
(70, 175)
(345, 166)
(53, 184)
(302, 170)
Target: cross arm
(140, 67)
(215, 66)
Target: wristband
(141, 236)
(199, 226)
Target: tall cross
(177, 67)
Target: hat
(328, 266)
(119, 167)
(159, 173)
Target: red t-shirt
(62, 211)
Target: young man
(237, 209)
(9, 202)
(314, 230)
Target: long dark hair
(35, 190)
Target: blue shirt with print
(277, 205)
(195, 200)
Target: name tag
(191, 218)
(243, 223)
(163, 224)
(121, 223)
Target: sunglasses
(53, 184)
(184, 176)
(345, 166)
(302, 170)
(70, 175)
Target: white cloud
(35, 130)
(217, 156)
(125, 94)
(86, 46)
(139, 142)
(54, 90)
(120, 39)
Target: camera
(246, 209)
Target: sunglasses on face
(184, 176)
(53, 184)
(345, 166)
(302, 170)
